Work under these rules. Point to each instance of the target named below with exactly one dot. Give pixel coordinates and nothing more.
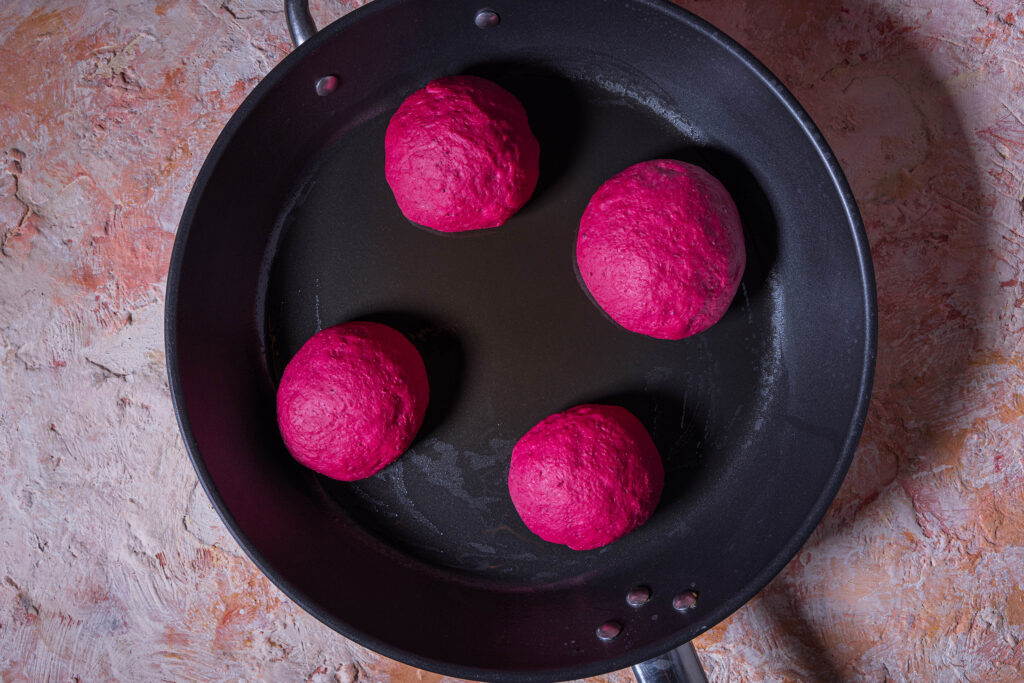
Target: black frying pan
(291, 227)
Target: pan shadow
(443, 355)
(787, 614)
(894, 126)
(554, 106)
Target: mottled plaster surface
(113, 564)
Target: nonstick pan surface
(291, 228)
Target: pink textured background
(112, 563)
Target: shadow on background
(894, 126)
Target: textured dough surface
(459, 155)
(586, 476)
(352, 399)
(660, 248)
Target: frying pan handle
(680, 665)
(300, 21)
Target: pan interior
(509, 334)
(291, 228)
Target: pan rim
(858, 416)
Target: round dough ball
(352, 399)
(660, 248)
(586, 477)
(459, 155)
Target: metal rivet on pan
(325, 85)
(487, 18)
(609, 630)
(685, 601)
(640, 595)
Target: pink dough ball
(352, 399)
(660, 248)
(459, 155)
(586, 477)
